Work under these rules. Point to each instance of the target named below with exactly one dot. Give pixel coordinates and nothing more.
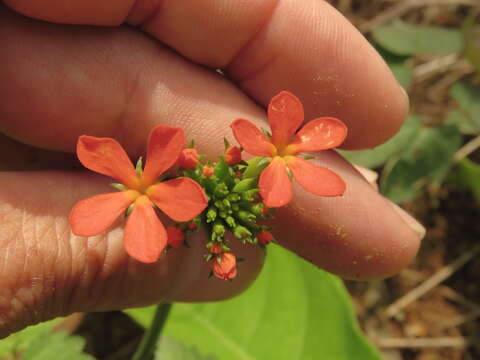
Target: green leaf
(467, 116)
(428, 160)
(402, 72)
(245, 184)
(221, 169)
(395, 146)
(398, 64)
(402, 38)
(22, 339)
(172, 349)
(47, 346)
(467, 174)
(293, 311)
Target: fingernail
(409, 220)
(370, 175)
(405, 95)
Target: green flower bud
(241, 232)
(211, 215)
(219, 229)
(258, 209)
(226, 203)
(250, 195)
(219, 205)
(230, 221)
(221, 190)
(234, 197)
(245, 216)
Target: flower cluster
(227, 196)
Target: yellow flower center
(286, 150)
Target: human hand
(58, 82)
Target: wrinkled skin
(152, 62)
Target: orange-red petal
(181, 199)
(106, 156)
(315, 179)
(320, 134)
(285, 115)
(145, 235)
(94, 215)
(275, 185)
(165, 144)
(252, 140)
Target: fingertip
(357, 236)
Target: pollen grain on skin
(339, 231)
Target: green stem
(150, 339)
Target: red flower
(285, 115)
(233, 155)
(175, 236)
(264, 237)
(181, 199)
(225, 266)
(188, 159)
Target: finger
(360, 235)
(45, 271)
(166, 89)
(304, 46)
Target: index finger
(264, 46)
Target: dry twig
(405, 6)
(440, 276)
(467, 149)
(441, 64)
(404, 343)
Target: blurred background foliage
(432, 166)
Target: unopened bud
(246, 216)
(221, 190)
(250, 195)
(207, 171)
(175, 236)
(241, 232)
(219, 229)
(192, 225)
(230, 221)
(188, 159)
(211, 215)
(258, 209)
(225, 266)
(215, 248)
(233, 155)
(264, 237)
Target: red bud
(226, 269)
(175, 236)
(188, 159)
(233, 155)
